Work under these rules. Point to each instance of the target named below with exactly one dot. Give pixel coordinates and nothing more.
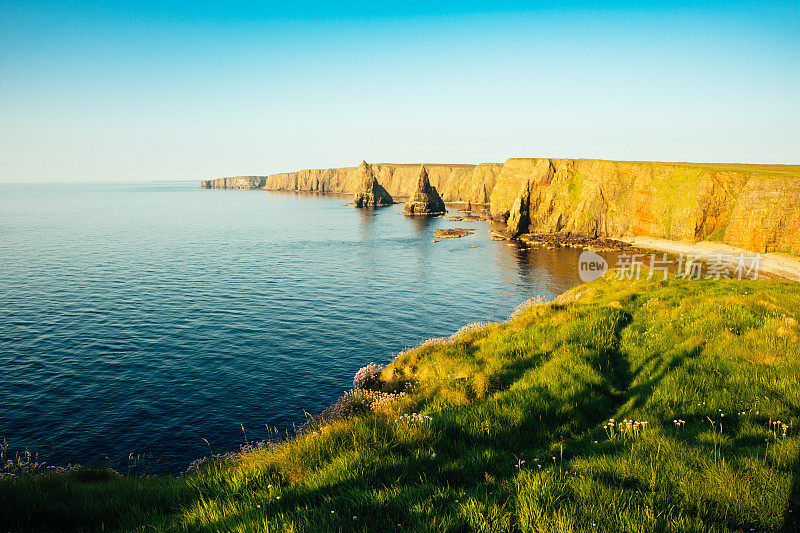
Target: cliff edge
(755, 207)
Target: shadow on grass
(791, 519)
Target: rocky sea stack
(424, 200)
(370, 192)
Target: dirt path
(782, 265)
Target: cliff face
(237, 182)
(455, 183)
(767, 216)
(756, 207)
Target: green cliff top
(509, 427)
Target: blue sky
(188, 90)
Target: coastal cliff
(236, 182)
(754, 207)
(455, 183)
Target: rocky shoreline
(591, 204)
(751, 207)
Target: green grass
(519, 439)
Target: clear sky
(189, 90)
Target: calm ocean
(144, 318)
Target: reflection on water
(145, 318)
(420, 224)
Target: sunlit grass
(506, 427)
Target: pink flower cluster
(13, 468)
(368, 377)
(625, 428)
(468, 328)
(383, 399)
(436, 341)
(216, 458)
(776, 425)
(355, 401)
(521, 308)
(412, 418)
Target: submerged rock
(424, 200)
(370, 192)
(453, 233)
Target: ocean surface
(137, 320)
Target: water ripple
(146, 318)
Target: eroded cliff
(755, 207)
(455, 183)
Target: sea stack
(370, 193)
(424, 200)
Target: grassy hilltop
(509, 428)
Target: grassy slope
(517, 439)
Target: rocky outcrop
(519, 219)
(237, 182)
(424, 200)
(454, 183)
(749, 206)
(370, 193)
(766, 217)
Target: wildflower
(467, 329)
(368, 376)
(414, 417)
(536, 300)
(433, 455)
